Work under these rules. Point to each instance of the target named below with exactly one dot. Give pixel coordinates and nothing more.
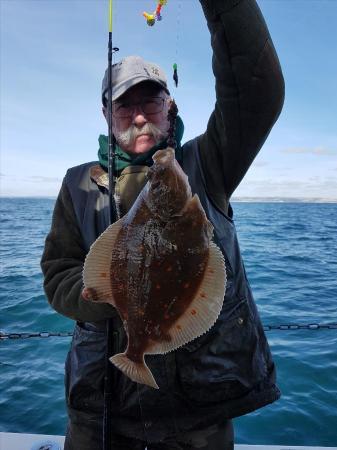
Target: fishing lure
(175, 74)
(151, 20)
(156, 15)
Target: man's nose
(138, 116)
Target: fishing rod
(113, 212)
(113, 216)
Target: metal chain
(310, 326)
(42, 334)
(290, 327)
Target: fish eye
(155, 184)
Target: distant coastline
(283, 200)
(233, 199)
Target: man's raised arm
(249, 93)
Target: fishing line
(152, 18)
(175, 64)
(172, 115)
(114, 215)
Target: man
(228, 371)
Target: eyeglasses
(148, 106)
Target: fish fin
(96, 270)
(203, 311)
(138, 372)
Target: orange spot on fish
(193, 312)
(178, 327)
(186, 285)
(211, 271)
(203, 295)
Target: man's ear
(169, 102)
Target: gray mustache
(129, 136)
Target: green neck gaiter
(145, 159)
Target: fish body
(158, 267)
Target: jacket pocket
(226, 362)
(85, 368)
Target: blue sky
(54, 53)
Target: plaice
(159, 268)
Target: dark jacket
(228, 371)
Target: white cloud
(260, 164)
(312, 151)
(313, 187)
(42, 179)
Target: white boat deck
(20, 441)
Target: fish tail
(138, 372)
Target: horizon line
(243, 199)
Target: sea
(290, 254)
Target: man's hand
(89, 294)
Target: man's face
(136, 130)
